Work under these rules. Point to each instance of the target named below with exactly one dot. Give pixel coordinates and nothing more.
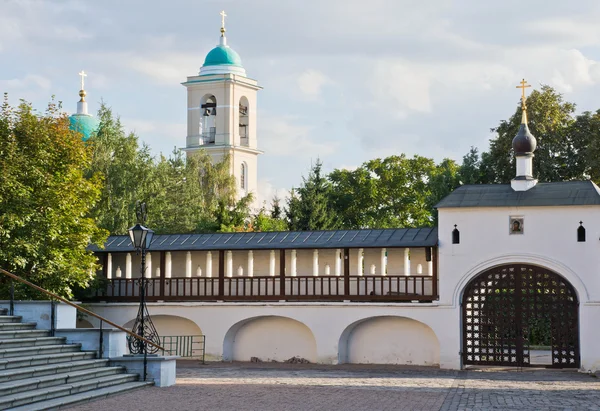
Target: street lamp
(141, 238)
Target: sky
(345, 81)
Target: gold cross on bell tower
(82, 74)
(223, 15)
(523, 86)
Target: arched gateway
(510, 311)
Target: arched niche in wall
(389, 340)
(269, 338)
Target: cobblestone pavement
(287, 387)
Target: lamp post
(141, 238)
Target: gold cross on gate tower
(523, 86)
(223, 15)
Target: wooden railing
(395, 288)
(56, 297)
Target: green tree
(444, 178)
(585, 135)
(264, 221)
(184, 194)
(550, 120)
(127, 169)
(470, 171)
(45, 200)
(386, 193)
(309, 207)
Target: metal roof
(566, 193)
(400, 237)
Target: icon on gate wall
(515, 225)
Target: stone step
(39, 371)
(83, 397)
(40, 350)
(48, 393)
(18, 362)
(12, 334)
(29, 384)
(10, 318)
(17, 326)
(32, 342)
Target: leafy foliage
(392, 192)
(183, 195)
(562, 139)
(309, 206)
(45, 199)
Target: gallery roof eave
(282, 240)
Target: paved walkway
(294, 387)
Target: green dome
(84, 124)
(222, 55)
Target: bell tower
(221, 117)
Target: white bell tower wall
(222, 118)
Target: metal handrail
(88, 312)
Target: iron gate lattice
(505, 308)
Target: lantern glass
(137, 235)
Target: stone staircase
(41, 372)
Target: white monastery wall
(395, 261)
(171, 325)
(335, 327)
(178, 259)
(272, 339)
(261, 259)
(549, 240)
(392, 340)
(328, 257)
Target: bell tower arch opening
(244, 122)
(208, 115)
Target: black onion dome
(524, 142)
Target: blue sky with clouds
(344, 80)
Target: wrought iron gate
(505, 308)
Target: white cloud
(30, 81)
(167, 68)
(267, 191)
(283, 136)
(157, 133)
(401, 87)
(311, 82)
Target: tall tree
(183, 194)
(126, 168)
(385, 193)
(45, 199)
(550, 120)
(309, 207)
(444, 178)
(585, 135)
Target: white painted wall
(270, 339)
(326, 321)
(390, 340)
(171, 325)
(549, 240)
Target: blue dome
(84, 124)
(222, 55)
